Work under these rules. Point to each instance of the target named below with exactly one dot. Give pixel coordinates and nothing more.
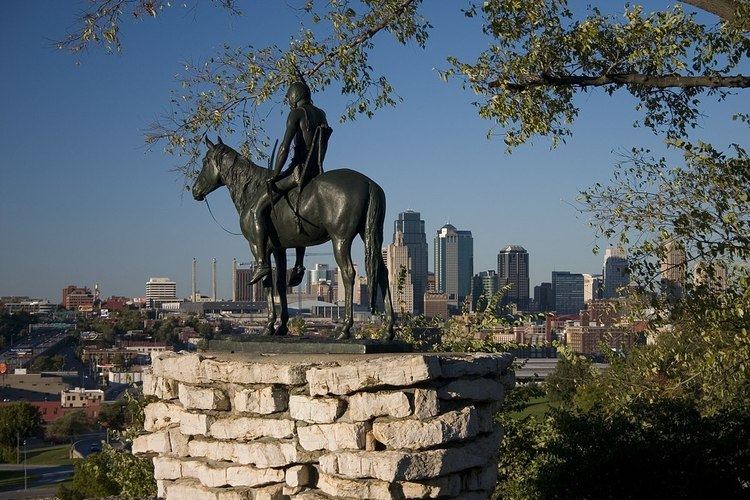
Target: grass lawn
(53, 455)
(537, 407)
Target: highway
(34, 344)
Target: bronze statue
(308, 127)
(336, 205)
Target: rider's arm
(291, 129)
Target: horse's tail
(374, 243)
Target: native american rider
(307, 126)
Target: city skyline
(84, 201)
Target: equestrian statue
(301, 207)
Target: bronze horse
(337, 205)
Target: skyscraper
(673, 268)
(483, 286)
(411, 226)
(513, 270)
(543, 298)
(161, 289)
(592, 287)
(398, 262)
(567, 290)
(454, 263)
(615, 272)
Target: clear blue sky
(82, 200)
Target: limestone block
(426, 403)
(156, 442)
(333, 437)
(298, 475)
(195, 424)
(266, 454)
(167, 468)
(486, 413)
(245, 428)
(160, 415)
(446, 486)
(186, 488)
(396, 371)
(247, 372)
(418, 434)
(163, 388)
(212, 450)
(310, 495)
(366, 405)
(484, 479)
(479, 389)
(247, 475)
(315, 410)
(292, 490)
(405, 466)
(161, 488)
(461, 365)
(181, 367)
(264, 400)
(203, 398)
(337, 486)
(178, 442)
(210, 476)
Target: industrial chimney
(234, 280)
(213, 279)
(194, 297)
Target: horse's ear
(220, 141)
(209, 143)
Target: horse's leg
(299, 268)
(268, 287)
(342, 251)
(385, 287)
(280, 257)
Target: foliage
(70, 424)
(114, 472)
(18, 421)
(542, 55)
(297, 326)
(572, 371)
(47, 363)
(12, 325)
(662, 448)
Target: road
(540, 368)
(36, 343)
(42, 480)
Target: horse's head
(209, 177)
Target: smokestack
(213, 279)
(234, 280)
(193, 297)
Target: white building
(79, 397)
(161, 289)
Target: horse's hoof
(281, 330)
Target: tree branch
(725, 9)
(362, 37)
(654, 81)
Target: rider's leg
(298, 271)
(259, 237)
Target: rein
(216, 221)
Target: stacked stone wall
(375, 426)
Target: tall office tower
(234, 280)
(712, 275)
(214, 293)
(161, 289)
(592, 287)
(673, 267)
(454, 263)
(543, 298)
(567, 290)
(615, 272)
(398, 261)
(513, 270)
(411, 226)
(194, 291)
(483, 286)
(315, 275)
(243, 291)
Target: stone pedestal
(302, 426)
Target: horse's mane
(241, 176)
